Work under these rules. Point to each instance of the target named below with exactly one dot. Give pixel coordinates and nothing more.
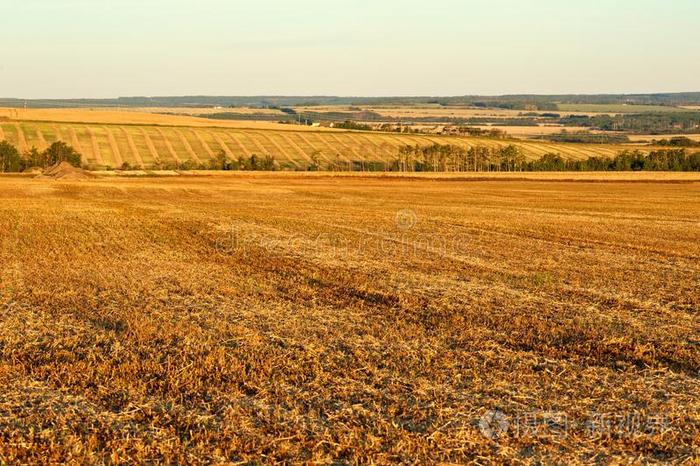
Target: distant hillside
(543, 102)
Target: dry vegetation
(131, 116)
(109, 138)
(439, 111)
(343, 319)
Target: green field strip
(150, 145)
(31, 136)
(282, 143)
(357, 155)
(258, 144)
(188, 147)
(400, 142)
(389, 141)
(577, 153)
(419, 140)
(334, 152)
(296, 147)
(11, 134)
(366, 146)
(58, 134)
(141, 145)
(41, 140)
(22, 144)
(460, 142)
(169, 144)
(279, 149)
(203, 143)
(101, 146)
(195, 143)
(379, 147)
(135, 152)
(222, 144)
(303, 141)
(75, 142)
(263, 144)
(237, 140)
(115, 150)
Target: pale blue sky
(99, 48)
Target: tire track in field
(356, 139)
(95, 146)
(391, 141)
(459, 142)
(134, 150)
(420, 140)
(256, 143)
(296, 147)
(399, 142)
(279, 148)
(169, 145)
(118, 160)
(379, 147)
(333, 150)
(188, 147)
(75, 142)
(21, 140)
(151, 147)
(59, 135)
(222, 143)
(43, 145)
(2, 134)
(234, 138)
(313, 147)
(537, 149)
(350, 148)
(198, 135)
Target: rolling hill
(108, 139)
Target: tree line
(434, 158)
(11, 160)
(450, 158)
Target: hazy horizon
(78, 49)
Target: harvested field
(348, 319)
(132, 117)
(110, 145)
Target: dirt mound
(66, 171)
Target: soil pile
(66, 171)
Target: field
(109, 138)
(349, 319)
(651, 137)
(438, 111)
(617, 108)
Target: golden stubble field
(350, 320)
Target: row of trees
(435, 158)
(451, 158)
(660, 160)
(11, 160)
(641, 123)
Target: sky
(102, 49)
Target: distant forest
(540, 102)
